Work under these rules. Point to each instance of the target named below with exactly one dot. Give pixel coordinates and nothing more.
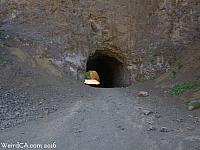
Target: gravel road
(113, 119)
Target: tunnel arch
(111, 71)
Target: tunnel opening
(110, 70)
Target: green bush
(174, 74)
(179, 89)
(178, 67)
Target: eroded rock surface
(144, 36)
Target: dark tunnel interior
(109, 69)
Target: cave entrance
(111, 71)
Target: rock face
(143, 35)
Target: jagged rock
(151, 128)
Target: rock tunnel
(111, 71)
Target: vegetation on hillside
(178, 67)
(180, 88)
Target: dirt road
(113, 119)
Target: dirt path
(112, 120)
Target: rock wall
(166, 28)
(144, 35)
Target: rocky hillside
(144, 36)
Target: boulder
(143, 94)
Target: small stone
(17, 113)
(189, 128)
(78, 131)
(151, 128)
(120, 127)
(164, 129)
(25, 114)
(143, 94)
(7, 94)
(166, 92)
(22, 96)
(147, 112)
(150, 123)
(46, 111)
(179, 120)
(157, 115)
